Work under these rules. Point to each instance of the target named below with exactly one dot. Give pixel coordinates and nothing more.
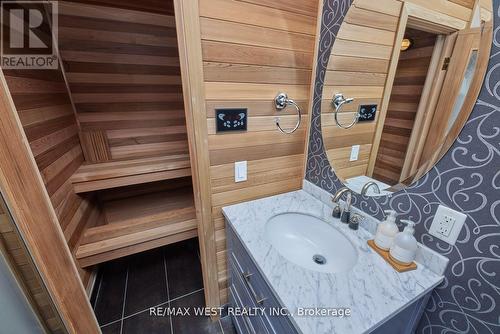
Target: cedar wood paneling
(407, 89)
(123, 72)
(251, 51)
(44, 108)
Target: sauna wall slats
(358, 68)
(403, 105)
(45, 111)
(123, 71)
(251, 51)
(149, 6)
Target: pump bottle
(404, 248)
(386, 231)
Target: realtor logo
(29, 35)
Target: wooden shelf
(139, 223)
(114, 174)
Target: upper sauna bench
(98, 176)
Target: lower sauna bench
(138, 219)
(107, 175)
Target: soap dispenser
(386, 231)
(404, 248)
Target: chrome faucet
(339, 193)
(346, 212)
(368, 185)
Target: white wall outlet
(354, 153)
(240, 171)
(447, 224)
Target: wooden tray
(398, 266)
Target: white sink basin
(311, 243)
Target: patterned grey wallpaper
(467, 179)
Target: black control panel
(231, 119)
(367, 112)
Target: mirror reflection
(400, 85)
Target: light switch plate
(240, 171)
(354, 153)
(447, 224)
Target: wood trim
(466, 42)
(65, 78)
(403, 20)
(23, 189)
(472, 95)
(425, 19)
(422, 114)
(311, 89)
(190, 54)
(433, 100)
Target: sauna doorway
(417, 48)
(429, 99)
(103, 140)
(122, 69)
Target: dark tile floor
(127, 288)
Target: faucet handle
(336, 211)
(355, 221)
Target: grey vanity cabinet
(405, 321)
(248, 289)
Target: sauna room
(249, 167)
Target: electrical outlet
(447, 224)
(354, 153)
(240, 171)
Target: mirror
(400, 85)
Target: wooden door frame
(469, 102)
(416, 17)
(187, 19)
(427, 103)
(431, 92)
(447, 97)
(29, 204)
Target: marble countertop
(372, 289)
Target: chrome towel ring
(281, 101)
(338, 102)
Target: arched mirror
(400, 85)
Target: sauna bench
(98, 176)
(139, 223)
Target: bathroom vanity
(264, 275)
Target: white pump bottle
(404, 248)
(386, 231)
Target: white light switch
(240, 171)
(447, 224)
(354, 153)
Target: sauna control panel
(228, 120)
(367, 112)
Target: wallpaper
(466, 179)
